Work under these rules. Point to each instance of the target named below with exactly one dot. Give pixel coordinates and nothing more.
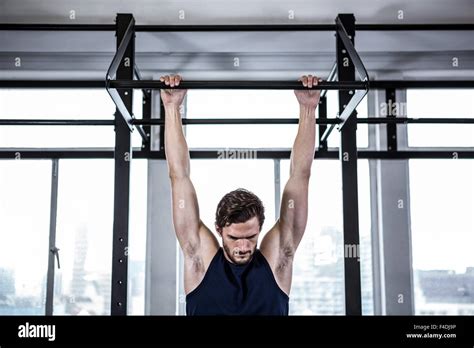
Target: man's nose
(243, 245)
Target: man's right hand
(172, 97)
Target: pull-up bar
(220, 121)
(358, 89)
(154, 84)
(373, 85)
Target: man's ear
(218, 229)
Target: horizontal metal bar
(52, 84)
(225, 153)
(155, 84)
(236, 27)
(57, 27)
(51, 153)
(398, 84)
(415, 27)
(221, 121)
(381, 84)
(425, 120)
(463, 154)
(171, 28)
(49, 122)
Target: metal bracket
(359, 94)
(111, 74)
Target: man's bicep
(294, 210)
(185, 213)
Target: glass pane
(60, 104)
(241, 136)
(257, 104)
(84, 237)
(137, 237)
(318, 274)
(56, 104)
(25, 200)
(57, 136)
(442, 224)
(438, 103)
(241, 104)
(365, 226)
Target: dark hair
(239, 206)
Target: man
(239, 279)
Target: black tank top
(229, 289)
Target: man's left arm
(280, 243)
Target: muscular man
(238, 278)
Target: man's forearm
(302, 154)
(176, 149)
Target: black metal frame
(122, 157)
(351, 92)
(390, 99)
(346, 67)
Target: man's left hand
(308, 98)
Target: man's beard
(237, 257)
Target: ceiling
(277, 54)
(238, 12)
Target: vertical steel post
(391, 127)
(122, 158)
(348, 157)
(146, 115)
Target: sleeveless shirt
(230, 289)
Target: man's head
(239, 219)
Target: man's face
(240, 240)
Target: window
(25, 200)
(84, 212)
(257, 104)
(84, 237)
(60, 104)
(318, 273)
(440, 103)
(442, 205)
(241, 104)
(137, 237)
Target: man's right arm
(190, 230)
(198, 243)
